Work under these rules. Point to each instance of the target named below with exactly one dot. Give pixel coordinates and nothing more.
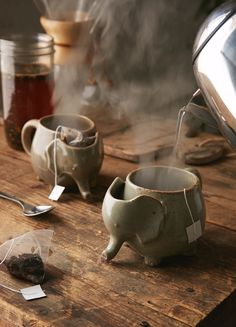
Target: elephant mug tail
(112, 249)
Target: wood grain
(82, 291)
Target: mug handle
(196, 173)
(27, 132)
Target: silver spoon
(28, 209)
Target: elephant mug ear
(54, 146)
(153, 216)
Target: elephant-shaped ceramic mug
(159, 211)
(75, 165)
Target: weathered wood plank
(81, 291)
(144, 138)
(139, 276)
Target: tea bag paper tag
(56, 192)
(57, 189)
(32, 293)
(194, 231)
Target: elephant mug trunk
(112, 249)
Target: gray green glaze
(75, 165)
(152, 222)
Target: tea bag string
(59, 127)
(8, 252)
(10, 289)
(190, 212)
(6, 255)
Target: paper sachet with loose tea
(25, 256)
(76, 138)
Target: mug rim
(195, 181)
(90, 129)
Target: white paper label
(56, 192)
(194, 231)
(32, 293)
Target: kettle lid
(211, 25)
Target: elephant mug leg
(84, 189)
(93, 180)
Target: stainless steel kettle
(214, 65)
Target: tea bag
(75, 137)
(72, 137)
(25, 256)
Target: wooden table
(81, 291)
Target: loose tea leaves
(25, 256)
(26, 266)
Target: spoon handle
(11, 198)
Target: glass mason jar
(27, 82)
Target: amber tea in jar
(27, 82)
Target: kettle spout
(112, 249)
(197, 106)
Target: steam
(131, 54)
(139, 50)
(59, 10)
(70, 85)
(129, 49)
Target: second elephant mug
(159, 211)
(75, 165)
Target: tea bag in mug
(72, 137)
(75, 137)
(25, 256)
(74, 162)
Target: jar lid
(26, 45)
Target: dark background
(18, 16)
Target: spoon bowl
(28, 209)
(31, 211)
